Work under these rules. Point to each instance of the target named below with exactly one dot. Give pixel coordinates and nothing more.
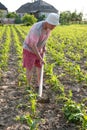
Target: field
(65, 81)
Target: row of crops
(67, 49)
(66, 65)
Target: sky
(61, 5)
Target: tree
(65, 17)
(79, 17)
(29, 19)
(14, 16)
(74, 16)
(42, 17)
(18, 19)
(11, 15)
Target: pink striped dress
(37, 35)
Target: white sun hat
(53, 19)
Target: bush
(29, 19)
(41, 18)
(18, 20)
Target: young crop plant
(4, 51)
(49, 69)
(19, 49)
(3, 29)
(32, 100)
(74, 71)
(56, 54)
(30, 117)
(73, 56)
(52, 78)
(75, 113)
(32, 123)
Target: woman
(34, 45)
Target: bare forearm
(36, 52)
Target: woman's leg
(28, 63)
(29, 76)
(38, 71)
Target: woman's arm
(37, 53)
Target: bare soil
(11, 95)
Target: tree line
(66, 17)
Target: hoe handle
(41, 80)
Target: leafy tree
(65, 17)
(18, 20)
(42, 17)
(79, 16)
(74, 16)
(15, 16)
(29, 19)
(11, 15)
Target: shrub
(29, 19)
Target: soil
(11, 95)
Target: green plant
(29, 19)
(32, 99)
(31, 117)
(75, 113)
(32, 123)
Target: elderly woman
(34, 45)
